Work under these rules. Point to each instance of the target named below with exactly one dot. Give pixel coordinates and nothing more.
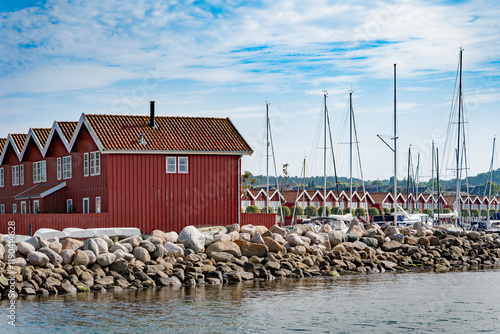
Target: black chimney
(152, 123)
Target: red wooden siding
(55, 221)
(143, 195)
(266, 219)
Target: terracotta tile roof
(379, 197)
(291, 195)
(42, 134)
(19, 140)
(40, 189)
(2, 143)
(184, 134)
(68, 128)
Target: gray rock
(257, 238)
(133, 240)
(102, 245)
(226, 247)
(106, 259)
(118, 246)
(18, 262)
(24, 248)
(371, 242)
(336, 237)
(149, 246)
(56, 246)
(399, 237)
(91, 255)
(120, 265)
(155, 240)
(119, 254)
(250, 229)
(81, 258)
(72, 244)
(38, 258)
(91, 245)
(35, 242)
(294, 239)
(370, 233)
(279, 230)
(209, 238)
(473, 235)
(67, 256)
(352, 237)
(53, 256)
(141, 254)
(172, 237)
(174, 249)
(391, 230)
(233, 228)
(159, 252)
(192, 238)
(245, 236)
(221, 256)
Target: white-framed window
(2, 209)
(260, 204)
(14, 208)
(66, 167)
(85, 164)
(171, 165)
(69, 205)
(15, 175)
(1, 178)
(245, 203)
(23, 207)
(21, 174)
(59, 169)
(183, 165)
(95, 163)
(97, 205)
(39, 171)
(36, 206)
(474, 206)
(86, 205)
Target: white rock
(56, 246)
(294, 239)
(91, 255)
(101, 244)
(174, 249)
(257, 238)
(81, 258)
(68, 256)
(24, 248)
(249, 229)
(141, 254)
(118, 246)
(38, 259)
(106, 259)
(91, 245)
(192, 238)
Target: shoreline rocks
(234, 254)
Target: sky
(59, 59)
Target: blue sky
(227, 58)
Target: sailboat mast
(408, 180)
(458, 187)
(491, 174)
(437, 176)
(304, 193)
(267, 155)
(324, 162)
(395, 154)
(417, 177)
(350, 150)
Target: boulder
(102, 245)
(171, 236)
(226, 247)
(294, 239)
(370, 233)
(391, 230)
(221, 237)
(80, 258)
(261, 229)
(371, 242)
(250, 249)
(147, 245)
(91, 255)
(67, 256)
(209, 238)
(399, 237)
(473, 235)
(134, 241)
(273, 245)
(234, 235)
(192, 238)
(233, 228)
(257, 238)
(120, 265)
(141, 254)
(356, 227)
(53, 256)
(38, 258)
(160, 234)
(300, 250)
(118, 246)
(391, 246)
(35, 242)
(159, 252)
(245, 236)
(56, 246)
(411, 240)
(221, 256)
(173, 249)
(325, 228)
(91, 245)
(424, 241)
(24, 248)
(351, 237)
(279, 230)
(336, 237)
(250, 229)
(105, 259)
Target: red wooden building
(139, 171)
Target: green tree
(285, 211)
(373, 211)
(492, 212)
(347, 210)
(437, 210)
(267, 210)
(297, 211)
(311, 211)
(465, 213)
(322, 212)
(446, 210)
(335, 210)
(360, 212)
(428, 212)
(252, 209)
(386, 211)
(474, 213)
(484, 213)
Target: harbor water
(419, 302)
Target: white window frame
(1, 177)
(87, 209)
(59, 169)
(171, 165)
(23, 207)
(21, 174)
(14, 208)
(2, 209)
(69, 203)
(95, 163)
(183, 165)
(36, 205)
(39, 171)
(98, 204)
(15, 175)
(85, 164)
(66, 167)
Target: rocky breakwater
(233, 254)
